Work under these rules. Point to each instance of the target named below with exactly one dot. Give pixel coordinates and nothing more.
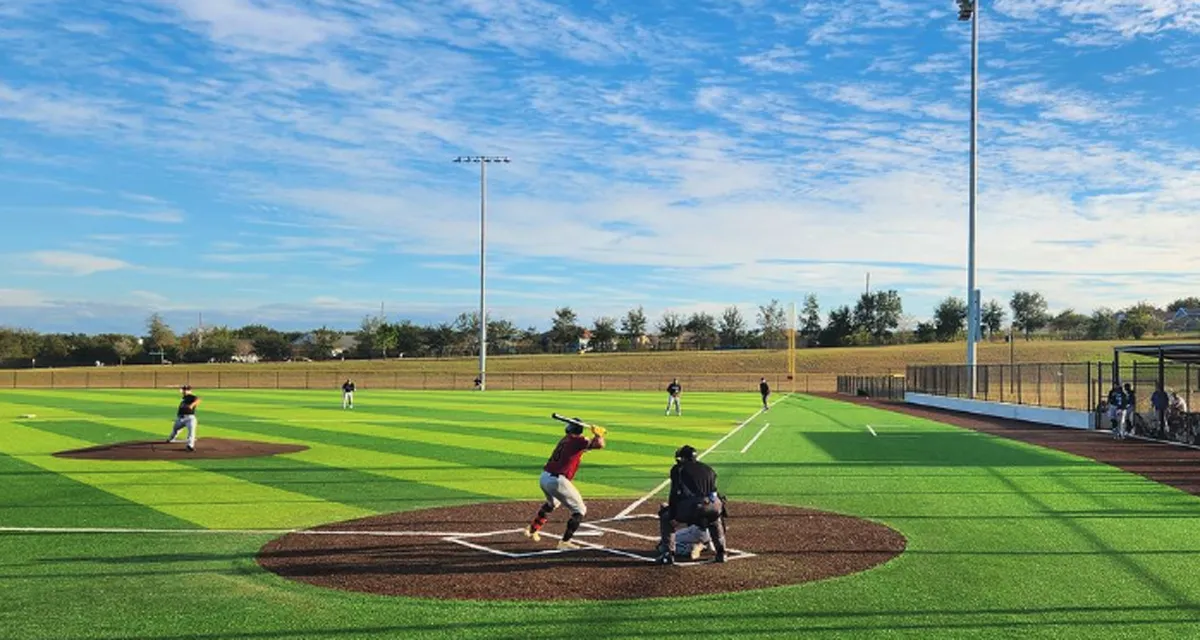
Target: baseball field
(947, 532)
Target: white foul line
(872, 431)
(301, 532)
(755, 438)
(640, 501)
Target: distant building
(342, 346)
(1184, 320)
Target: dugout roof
(1181, 353)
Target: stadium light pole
(969, 10)
(483, 162)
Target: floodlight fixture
(966, 9)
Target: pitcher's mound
(161, 450)
(478, 552)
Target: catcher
(557, 476)
(694, 500)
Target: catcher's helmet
(686, 452)
(575, 427)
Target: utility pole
(969, 10)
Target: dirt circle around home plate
(161, 450)
(477, 552)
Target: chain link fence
(250, 378)
(891, 387)
(1078, 386)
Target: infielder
(673, 390)
(556, 481)
(694, 500)
(186, 417)
(348, 394)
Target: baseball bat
(558, 416)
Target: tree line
(876, 318)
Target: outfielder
(673, 390)
(348, 394)
(556, 481)
(765, 390)
(186, 417)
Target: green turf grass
(1006, 540)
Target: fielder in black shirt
(694, 500)
(765, 390)
(673, 390)
(348, 394)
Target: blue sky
(289, 161)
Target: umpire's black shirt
(691, 479)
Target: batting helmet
(575, 427)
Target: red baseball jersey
(565, 459)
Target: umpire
(694, 500)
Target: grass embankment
(864, 360)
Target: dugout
(1174, 366)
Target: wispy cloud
(162, 216)
(779, 59)
(76, 264)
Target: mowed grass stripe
(466, 439)
(35, 497)
(203, 498)
(376, 492)
(440, 475)
(623, 471)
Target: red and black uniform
(567, 455)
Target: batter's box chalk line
(593, 529)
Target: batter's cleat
(697, 549)
(720, 559)
(567, 544)
(531, 533)
(665, 558)
(190, 448)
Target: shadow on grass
(605, 621)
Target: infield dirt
(790, 546)
(161, 450)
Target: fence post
(87, 380)
(1020, 395)
(1091, 406)
(306, 379)
(52, 383)
(424, 380)
(219, 381)
(543, 386)
(277, 378)
(1002, 384)
(1039, 386)
(395, 379)
(155, 380)
(1062, 385)
(571, 377)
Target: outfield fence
(250, 378)
(891, 387)
(1077, 386)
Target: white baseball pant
(188, 422)
(560, 490)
